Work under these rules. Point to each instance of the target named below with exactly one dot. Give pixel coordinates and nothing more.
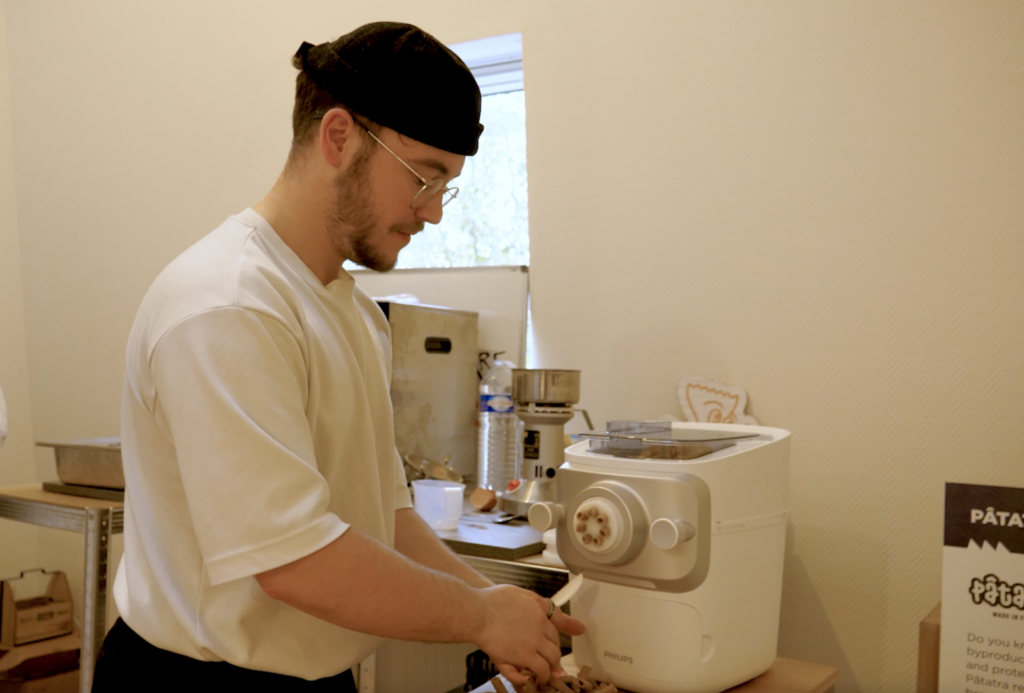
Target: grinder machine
(679, 532)
(544, 400)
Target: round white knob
(545, 516)
(666, 533)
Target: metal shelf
(543, 579)
(98, 520)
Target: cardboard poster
(982, 631)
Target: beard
(351, 222)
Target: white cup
(439, 503)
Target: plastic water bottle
(499, 446)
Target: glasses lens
(430, 190)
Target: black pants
(128, 664)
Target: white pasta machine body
(679, 531)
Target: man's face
(371, 220)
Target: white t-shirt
(256, 428)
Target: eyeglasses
(429, 189)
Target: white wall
(817, 201)
(18, 545)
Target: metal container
(88, 461)
(434, 386)
(545, 386)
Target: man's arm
(415, 540)
(359, 583)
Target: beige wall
(18, 545)
(817, 201)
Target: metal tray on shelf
(88, 461)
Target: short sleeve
(403, 499)
(231, 390)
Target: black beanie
(403, 78)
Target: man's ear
(339, 140)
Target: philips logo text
(625, 659)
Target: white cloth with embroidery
(256, 429)
(710, 401)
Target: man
(269, 538)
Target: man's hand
(518, 635)
(358, 583)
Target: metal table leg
(98, 531)
(368, 674)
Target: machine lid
(660, 441)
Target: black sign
(531, 445)
(993, 514)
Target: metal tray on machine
(657, 440)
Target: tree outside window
(487, 224)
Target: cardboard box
(42, 666)
(30, 618)
(928, 652)
(60, 683)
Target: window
(485, 227)
(487, 224)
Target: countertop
(532, 571)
